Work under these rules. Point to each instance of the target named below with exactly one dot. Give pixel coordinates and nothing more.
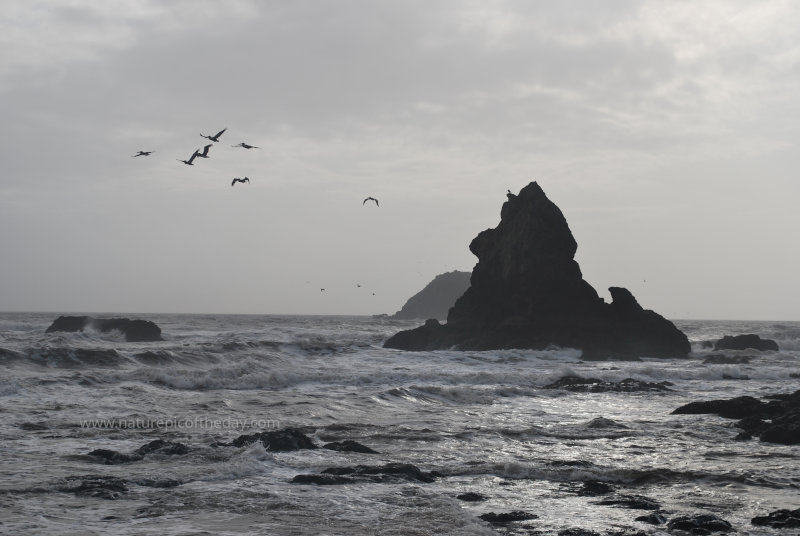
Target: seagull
(191, 158)
(237, 179)
(322, 290)
(204, 154)
(216, 136)
(142, 153)
(371, 199)
(246, 146)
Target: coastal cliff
(527, 291)
(436, 299)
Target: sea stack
(436, 299)
(527, 291)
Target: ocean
(483, 423)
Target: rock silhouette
(436, 299)
(527, 291)
(134, 330)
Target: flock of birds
(198, 153)
(204, 154)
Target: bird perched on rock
(371, 199)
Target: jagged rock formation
(527, 291)
(436, 299)
(134, 330)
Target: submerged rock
(278, 440)
(745, 342)
(389, 472)
(134, 330)
(527, 291)
(103, 487)
(634, 502)
(471, 496)
(594, 385)
(721, 359)
(507, 517)
(436, 299)
(349, 445)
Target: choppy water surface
(481, 421)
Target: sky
(667, 133)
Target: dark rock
(745, 342)
(33, 426)
(527, 291)
(634, 502)
(779, 519)
(471, 496)
(594, 385)
(507, 517)
(733, 408)
(776, 421)
(322, 480)
(103, 487)
(578, 532)
(112, 457)
(349, 445)
(655, 518)
(278, 440)
(134, 330)
(161, 446)
(157, 483)
(593, 488)
(436, 299)
(405, 471)
(722, 359)
(700, 524)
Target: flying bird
(371, 199)
(246, 146)
(216, 136)
(191, 158)
(142, 153)
(237, 179)
(204, 154)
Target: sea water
(482, 422)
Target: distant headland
(527, 291)
(436, 299)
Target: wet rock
(593, 488)
(278, 440)
(508, 517)
(134, 330)
(732, 408)
(102, 487)
(112, 457)
(578, 532)
(405, 471)
(157, 483)
(594, 385)
(655, 518)
(700, 524)
(349, 446)
(779, 519)
(322, 480)
(160, 446)
(471, 496)
(745, 342)
(527, 291)
(722, 359)
(634, 502)
(775, 421)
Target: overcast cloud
(665, 131)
